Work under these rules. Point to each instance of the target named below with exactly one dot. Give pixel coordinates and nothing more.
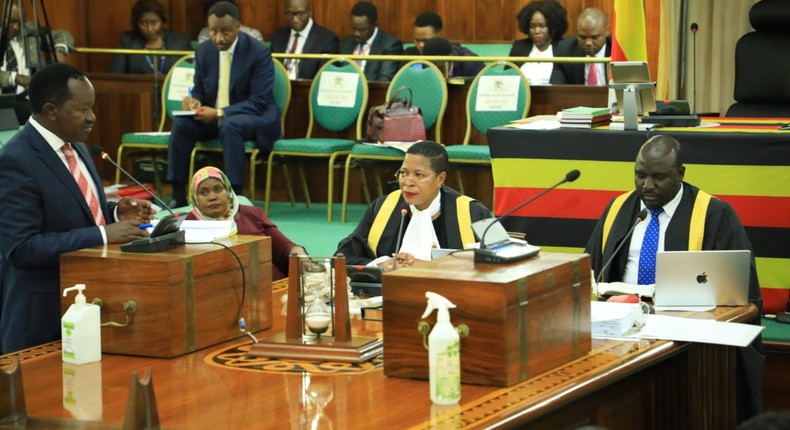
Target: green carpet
(309, 228)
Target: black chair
(762, 63)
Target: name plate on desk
(524, 318)
(177, 301)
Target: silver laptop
(701, 279)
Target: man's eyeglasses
(403, 175)
(292, 15)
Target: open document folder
(630, 321)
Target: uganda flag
(629, 39)
(744, 162)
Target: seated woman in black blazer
(544, 22)
(147, 32)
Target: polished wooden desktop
(619, 385)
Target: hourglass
(317, 321)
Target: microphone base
(156, 244)
(672, 120)
(506, 254)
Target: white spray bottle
(81, 330)
(444, 353)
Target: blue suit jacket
(251, 83)
(43, 215)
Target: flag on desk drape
(629, 38)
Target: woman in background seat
(148, 17)
(544, 22)
(212, 198)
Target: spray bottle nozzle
(436, 301)
(79, 298)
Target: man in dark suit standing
(592, 40)
(53, 202)
(303, 36)
(232, 98)
(368, 39)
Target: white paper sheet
(181, 80)
(338, 89)
(695, 330)
(539, 125)
(497, 93)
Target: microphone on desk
(166, 235)
(485, 255)
(639, 218)
(694, 28)
(99, 151)
(403, 212)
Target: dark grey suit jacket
(572, 73)
(383, 44)
(319, 41)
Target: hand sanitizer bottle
(81, 330)
(444, 353)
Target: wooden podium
(524, 318)
(174, 302)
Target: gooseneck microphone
(99, 151)
(569, 177)
(514, 253)
(694, 28)
(639, 218)
(403, 212)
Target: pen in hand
(144, 226)
(189, 91)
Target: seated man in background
(671, 224)
(235, 110)
(592, 40)
(303, 36)
(369, 39)
(438, 216)
(15, 71)
(428, 25)
(204, 35)
(212, 198)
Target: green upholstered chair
(338, 97)
(175, 87)
(282, 98)
(429, 91)
(468, 156)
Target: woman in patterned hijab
(212, 198)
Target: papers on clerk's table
(537, 122)
(615, 319)
(617, 288)
(196, 231)
(629, 321)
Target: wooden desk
(618, 385)
(776, 380)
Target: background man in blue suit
(45, 212)
(233, 102)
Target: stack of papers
(615, 319)
(206, 231)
